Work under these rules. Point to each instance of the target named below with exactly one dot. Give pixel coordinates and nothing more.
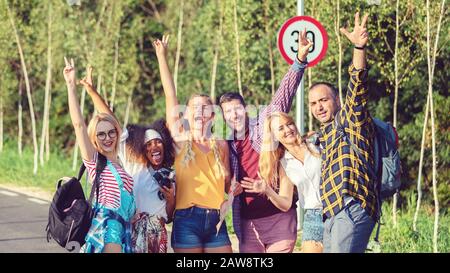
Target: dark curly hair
(136, 148)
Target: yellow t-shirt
(199, 183)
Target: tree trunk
(238, 57)
(28, 88)
(155, 11)
(269, 38)
(395, 198)
(99, 87)
(45, 119)
(127, 111)
(310, 70)
(1, 121)
(177, 58)
(419, 176)
(339, 42)
(310, 117)
(19, 119)
(47, 134)
(93, 50)
(216, 53)
(431, 61)
(116, 64)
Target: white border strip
(8, 193)
(41, 202)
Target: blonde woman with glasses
(110, 230)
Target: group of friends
(265, 164)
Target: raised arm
(355, 107)
(86, 147)
(167, 83)
(283, 98)
(359, 38)
(99, 103)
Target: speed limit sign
(288, 39)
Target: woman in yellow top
(201, 166)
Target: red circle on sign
(317, 24)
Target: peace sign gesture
(87, 81)
(161, 46)
(69, 72)
(359, 36)
(304, 45)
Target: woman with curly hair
(146, 153)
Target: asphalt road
(22, 224)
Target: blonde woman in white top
(288, 160)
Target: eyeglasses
(111, 133)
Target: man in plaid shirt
(347, 190)
(259, 225)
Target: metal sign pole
(300, 114)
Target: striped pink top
(109, 188)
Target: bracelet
(360, 47)
(302, 62)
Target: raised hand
(304, 45)
(69, 72)
(161, 46)
(359, 36)
(87, 81)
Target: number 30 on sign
(288, 39)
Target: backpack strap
(116, 175)
(376, 174)
(81, 172)
(100, 166)
(344, 136)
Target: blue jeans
(195, 227)
(348, 231)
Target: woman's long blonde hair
(190, 154)
(272, 150)
(92, 130)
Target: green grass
(404, 238)
(19, 171)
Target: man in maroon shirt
(259, 225)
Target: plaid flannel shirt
(343, 173)
(282, 101)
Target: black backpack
(70, 214)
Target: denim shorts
(312, 225)
(195, 227)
